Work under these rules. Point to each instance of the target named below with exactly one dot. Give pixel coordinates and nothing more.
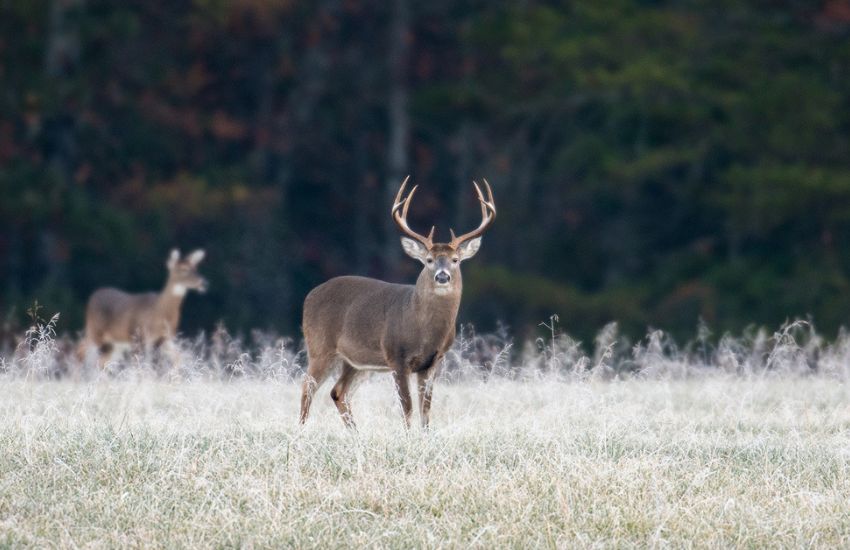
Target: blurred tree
(653, 162)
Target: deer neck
(430, 306)
(171, 297)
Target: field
(744, 442)
(709, 462)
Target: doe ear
(414, 249)
(173, 259)
(468, 249)
(196, 256)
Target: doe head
(183, 272)
(442, 260)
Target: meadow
(744, 442)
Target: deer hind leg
(318, 369)
(86, 355)
(339, 393)
(93, 346)
(84, 350)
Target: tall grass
(794, 349)
(742, 441)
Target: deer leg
(426, 386)
(105, 352)
(82, 350)
(425, 381)
(170, 352)
(86, 350)
(318, 369)
(339, 393)
(401, 379)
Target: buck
(370, 325)
(115, 319)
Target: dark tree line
(653, 162)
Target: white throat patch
(179, 290)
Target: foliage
(653, 162)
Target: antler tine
(407, 201)
(490, 202)
(490, 198)
(401, 218)
(481, 199)
(488, 214)
(396, 203)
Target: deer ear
(468, 249)
(414, 249)
(196, 256)
(173, 259)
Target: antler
(401, 218)
(488, 214)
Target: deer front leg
(426, 387)
(105, 353)
(171, 354)
(400, 376)
(425, 380)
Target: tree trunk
(62, 56)
(399, 122)
(463, 173)
(61, 60)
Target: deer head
(441, 261)
(183, 273)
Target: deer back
(119, 314)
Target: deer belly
(362, 355)
(365, 365)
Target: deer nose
(442, 277)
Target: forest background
(654, 163)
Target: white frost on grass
(796, 349)
(719, 461)
(742, 442)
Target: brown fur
(115, 317)
(366, 322)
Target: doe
(115, 319)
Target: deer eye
(455, 260)
(430, 260)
